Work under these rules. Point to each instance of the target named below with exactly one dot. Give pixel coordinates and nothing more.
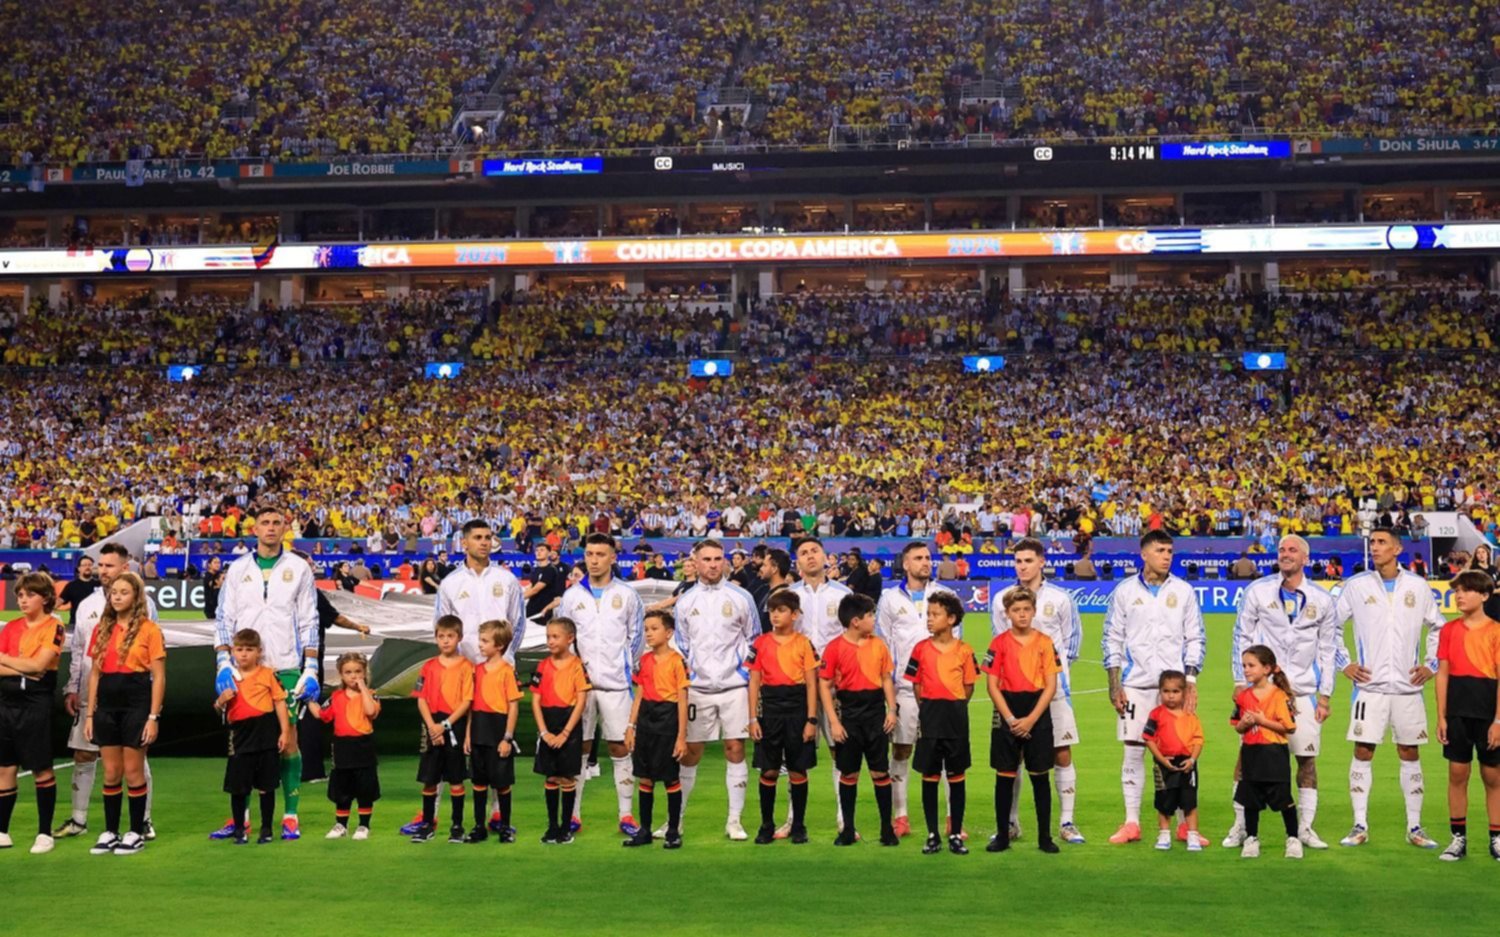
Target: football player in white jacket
(1295, 618)
(113, 560)
(610, 618)
(1057, 617)
(274, 592)
(901, 622)
(716, 623)
(1390, 607)
(1153, 623)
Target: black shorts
(655, 737)
(122, 709)
(26, 731)
(781, 743)
(346, 785)
(1176, 790)
(1264, 795)
(1007, 752)
(565, 762)
(1467, 738)
(942, 756)
(865, 742)
(653, 759)
(443, 763)
(489, 769)
(247, 772)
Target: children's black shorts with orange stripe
(564, 762)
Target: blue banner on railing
(1231, 149)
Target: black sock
(1252, 822)
(267, 810)
(674, 809)
(1005, 792)
(481, 801)
(569, 800)
(1041, 793)
(366, 810)
(798, 794)
(114, 801)
(137, 801)
(767, 803)
(1459, 826)
(883, 803)
(1289, 820)
(429, 807)
(930, 804)
(502, 801)
(552, 798)
(238, 805)
(457, 802)
(847, 794)
(957, 797)
(46, 807)
(8, 807)
(648, 803)
(341, 811)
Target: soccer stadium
(907, 463)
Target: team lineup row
(732, 682)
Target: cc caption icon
(663, 162)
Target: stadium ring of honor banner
(970, 245)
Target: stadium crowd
(606, 323)
(359, 445)
(303, 79)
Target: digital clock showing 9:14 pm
(1132, 152)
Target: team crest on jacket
(833, 609)
(1171, 601)
(1411, 600)
(496, 590)
(1049, 610)
(1311, 610)
(617, 604)
(728, 608)
(286, 575)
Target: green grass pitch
(185, 884)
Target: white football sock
(1411, 789)
(900, 771)
(1067, 793)
(687, 776)
(150, 788)
(1239, 809)
(838, 810)
(1360, 780)
(737, 779)
(1133, 781)
(624, 784)
(583, 775)
(83, 790)
(1307, 806)
(1015, 803)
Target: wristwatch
(154, 717)
(447, 724)
(812, 720)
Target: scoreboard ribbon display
(699, 251)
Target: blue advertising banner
(582, 165)
(1233, 149)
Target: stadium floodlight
(179, 373)
(711, 367)
(983, 364)
(443, 370)
(1265, 361)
